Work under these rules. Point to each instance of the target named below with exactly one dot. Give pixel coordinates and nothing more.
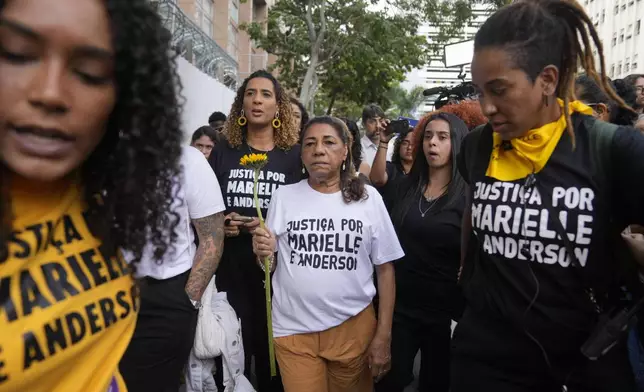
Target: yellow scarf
(531, 151)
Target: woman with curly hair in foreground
(260, 121)
(89, 143)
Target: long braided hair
(539, 33)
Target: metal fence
(195, 46)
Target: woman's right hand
(231, 226)
(264, 243)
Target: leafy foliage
(353, 50)
(403, 102)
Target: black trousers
(492, 355)
(433, 340)
(245, 292)
(163, 338)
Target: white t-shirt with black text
(326, 252)
(198, 196)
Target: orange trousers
(335, 360)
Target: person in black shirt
(401, 162)
(589, 92)
(260, 121)
(532, 173)
(426, 213)
(402, 158)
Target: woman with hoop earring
(260, 121)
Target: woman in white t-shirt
(329, 230)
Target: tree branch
(322, 23)
(309, 21)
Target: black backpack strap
(478, 149)
(601, 137)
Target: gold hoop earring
(276, 121)
(242, 120)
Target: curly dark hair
(351, 185)
(285, 137)
(537, 33)
(468, 110)
(135, 166)
(588, 91)
(395, 156)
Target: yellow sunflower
(255, 161)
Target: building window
(614, 39)
(634, 65)
(638, 26)
(627, 66)
(233, 11)
(619, 68)
(204, 15)
(612, 71)
(603, 16)
(232, 41)
(621, 35)
(616, 11)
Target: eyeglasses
(639, 90)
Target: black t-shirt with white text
(236, 182)
(507, 217)
(426, 287)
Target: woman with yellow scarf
(549, 186)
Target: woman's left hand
(380, 356)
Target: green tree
(339, 46)
(405, 102)
(348, 50)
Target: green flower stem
(267, 284)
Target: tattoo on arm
(210, 231)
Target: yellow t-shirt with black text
(67, 304)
